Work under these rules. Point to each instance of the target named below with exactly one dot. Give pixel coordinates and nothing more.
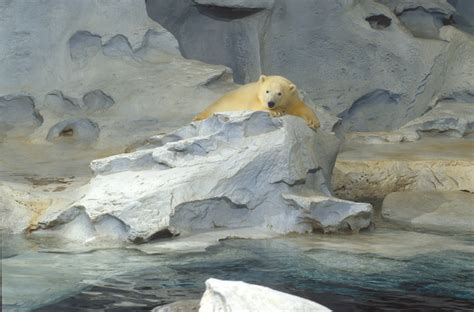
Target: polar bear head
(275, 91)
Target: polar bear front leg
(277, 113)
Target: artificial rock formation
(365, 170)
(433, 211)
(106, 61)
(229, 171)
(230, 296)
(368, 62)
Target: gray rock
(57, 102)
(223, 172)
(436, 211)
(215, 34)
(118, 45)
(238, 4)
(75, 130)
(96, 100)
(422, 23)
(457, 63)
(332, 215)
(385, 71)
(84, 45)
(179, 306)
(154, 82)
(430, 6)
(464, 15)
(18, 116)
(365, 114)
(154, 44)
(447, 118)
(15, 216)
(230, 296)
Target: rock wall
(98, 73)
(376, 65)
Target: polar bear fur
(274, 94)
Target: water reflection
(311, 267)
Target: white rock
(233, 170)
(329, 214)
(227, 296)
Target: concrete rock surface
(230, 296)
(435, 211)
(367, 62)
(230, 171)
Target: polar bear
(274, 94)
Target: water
(387, 270)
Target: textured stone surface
(464, 16)
(96, 100)
(179, 306)
(238, 4)
(57, 53)
(422, 23)
(386, 78)
(431, 6)
(18, 116)
(222, 173)
(366, 170)
(82, 131)
(58, 103)
(15, 216)
(447, 118)
(436, 211)
(239, 296)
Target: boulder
(233, 170)
(230, 296)
(435, 211)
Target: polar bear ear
(292, 88)
(262, 78)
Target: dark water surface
(129, 280)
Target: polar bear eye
(279, 93)
(268, 91)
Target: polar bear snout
(271, 104)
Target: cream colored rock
(375, 170)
